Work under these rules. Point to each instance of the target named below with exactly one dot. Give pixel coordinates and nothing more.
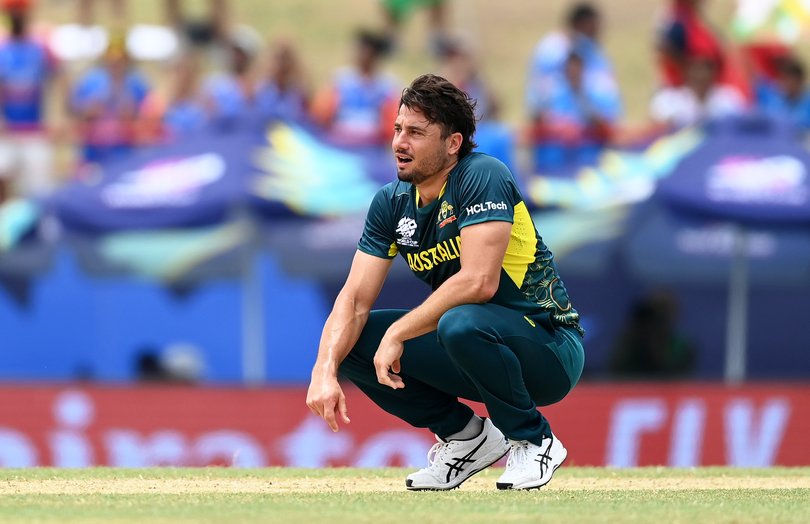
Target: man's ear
(454, 142)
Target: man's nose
(399, 142)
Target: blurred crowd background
(581, 99)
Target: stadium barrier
(620, 425)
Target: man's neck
(430, 189)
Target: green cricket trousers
(480, 352)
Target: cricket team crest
(406, 229)
(446, 215)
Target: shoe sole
(508, 485)
(408, 482)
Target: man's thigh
(544, 353)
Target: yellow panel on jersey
(392, 251)
(522, 246)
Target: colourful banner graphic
(628, 425)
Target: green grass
(348, 495)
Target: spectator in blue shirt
(581, 38)
(573, 119)
(460, 66)
(229, 95)
(571, 82)
(106, 100)
(27, 70)
(283, 94)
(787, 97)
(179, 112)
(358, 108)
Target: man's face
(419, 149)
(366, 58)
(589, 27)
(790, 84)
(701, 74)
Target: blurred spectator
(686, 35)
(396, 11)
(26, 71)
(229, 94)
(458, 64)
(571, 90)
(650, 346)
(787, 97)
(283, 93)
(701, 98)
(573, 120)
(185, 113)
(581, 37)
(106, 102)
(181, 113)
(196, 32)
(359, 107)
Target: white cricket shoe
(451, 462)
(530, 466)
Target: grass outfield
(716, 495)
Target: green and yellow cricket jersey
(479, 189)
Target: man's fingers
(381, 370)
(344, 412)
(391, 380)
(329, 417)
(396, 381)
(313, 406)
(395, 366)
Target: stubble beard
(431, 167)
(414, 177)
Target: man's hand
(325, 398)
(386, 362)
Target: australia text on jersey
(432, 257)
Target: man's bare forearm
(340, 333)
(457, 290)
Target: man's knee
(457, 328)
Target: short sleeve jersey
(25, 68)
(479, 189)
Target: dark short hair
(443, 103)
(377, 42)
(580, 13)
(791, 67)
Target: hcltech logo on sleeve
(486, 206)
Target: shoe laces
(523, 454)
(437, 453)
(518, 455)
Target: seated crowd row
(572, 96)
